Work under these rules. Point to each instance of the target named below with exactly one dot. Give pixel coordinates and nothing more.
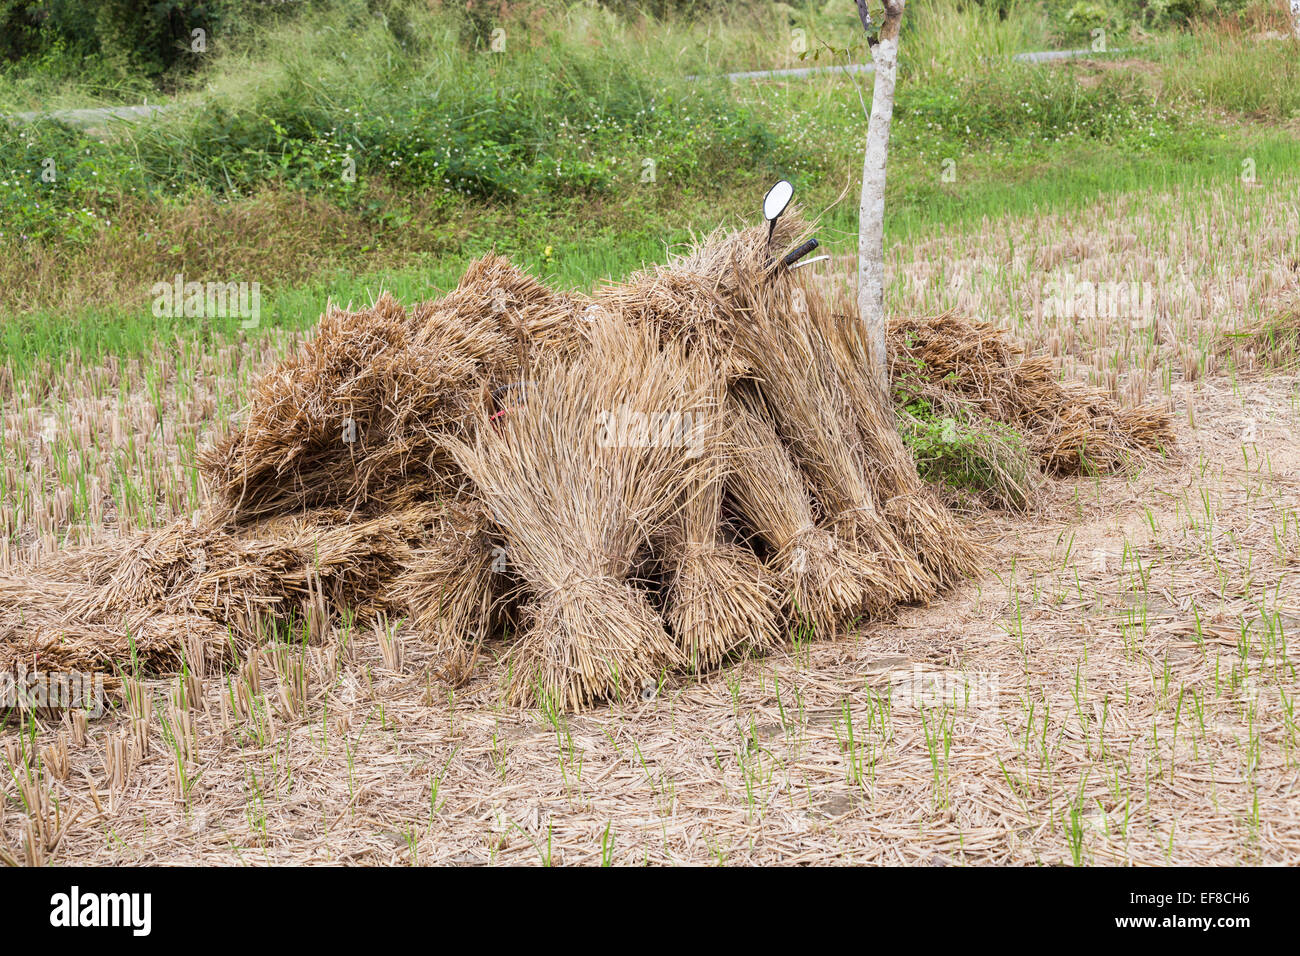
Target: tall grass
(580, 149)
(560, 104)
(942, 36)
(1220, 67)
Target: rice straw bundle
(524, 309)
(825, 583)
(804, 392)
(920, 522)
(152, 637)
(358, 415)
(578, 479)
(681, 307)
(447, 588)
(734, 261)
(731, 296)
(730, 291)
(155, 588)
(818, 405)
(271, 566)
(719, 601)
(316, 423)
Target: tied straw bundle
(577, 492)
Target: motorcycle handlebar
(797, 254)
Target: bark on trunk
(871, 209)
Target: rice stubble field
(1115, 686)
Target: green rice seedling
(937, 725)
(607, 844)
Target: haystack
(779, 339)
(357, 417)
(719, 600)
(658, 478)
(142, 600)
(1072, 427)
(823, 583)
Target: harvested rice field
(355, 593)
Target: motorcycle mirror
(777, 198)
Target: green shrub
(57, 184)
(409, 99)
(151, 38)
(399, 99)
(972, 455)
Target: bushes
(568, 111)
(1075, 19)
(471, 140)
(141, 37)
(117, 40)
(973, 456)
(56, 184)
(349, 105)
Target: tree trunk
(871, 209)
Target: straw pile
(882, 537)
(824, 583)
(358, 416)
(207, 592)
(578, 480)
(1072, 427)
(719, 601)
(448, 587)
(672, 473)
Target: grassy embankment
(546, 151)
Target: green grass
(1075, 175)
(539, 153)
(1233, 71)
(971, 455)
(583, 253)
